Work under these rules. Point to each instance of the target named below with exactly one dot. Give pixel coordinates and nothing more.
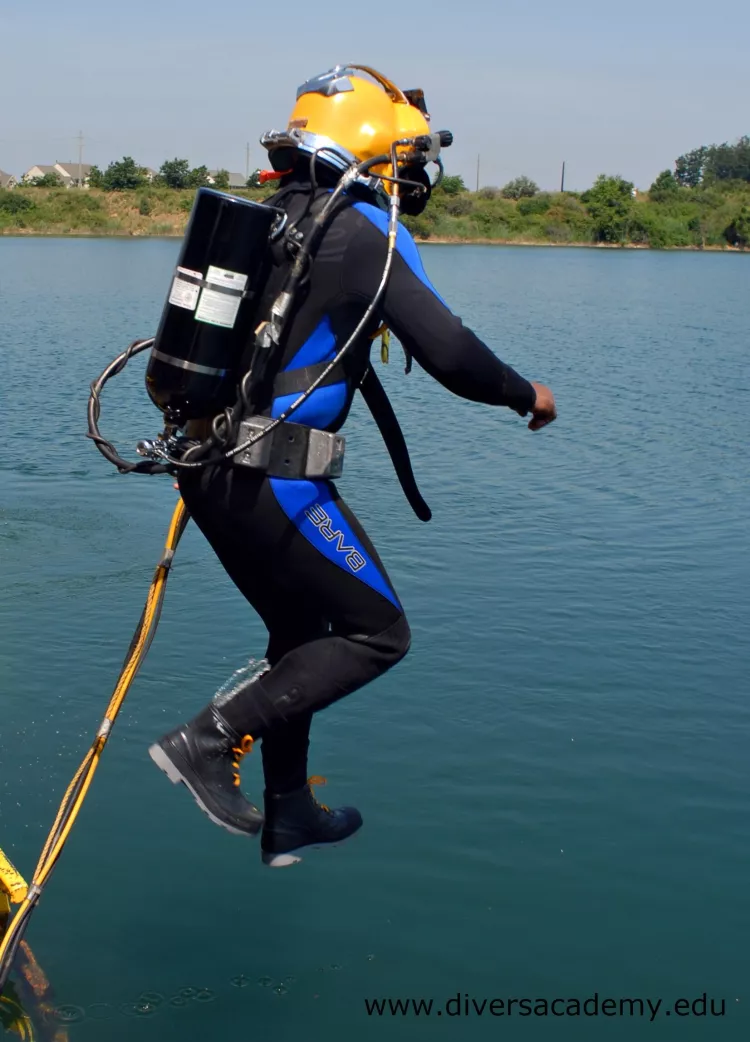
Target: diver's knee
(395, 641)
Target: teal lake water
(555, 782)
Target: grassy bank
(705, 217)
(716, 216)
(62, 211)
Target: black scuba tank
(212, 306)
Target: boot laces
(317, 779)
(241, 750)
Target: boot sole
(174, 774)
(293, 857)
(280, 860)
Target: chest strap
(295, 381)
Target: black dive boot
(205, 756)
(296, 819)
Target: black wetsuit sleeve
(437, 339)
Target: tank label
(185, 293)
(221, 297)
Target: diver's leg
(295, 551)
(368, 635)
(202, 755)
(205, 754)
(293, 818)
(321, 561)
(285, 748)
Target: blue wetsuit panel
(325, 404)
(320, 409)
(320, 346)
(310, 506)
(405, 245)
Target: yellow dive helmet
(351, 114)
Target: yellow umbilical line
(78, 788)
(12, 882)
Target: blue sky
(619, 88)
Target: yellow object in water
(11, 882)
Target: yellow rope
(53, 847)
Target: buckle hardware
(291, 450)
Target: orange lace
(317, 779)
(245, 747)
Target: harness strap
(292, 381)
(378, 403)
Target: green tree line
(703, 202)
(712, 163)
(610, 213)
(125, 175)
(669, 215)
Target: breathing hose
(104, 446)
(79, 786)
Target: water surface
(554, 782)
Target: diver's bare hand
(545, 410)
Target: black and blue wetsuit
(293, 548)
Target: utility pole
(478, 159)
(247, 161)
(562, 179)
(80, 159)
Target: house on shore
(7, 180)
(68, 173)
(235, 180)
(72, 172)
(35, 172)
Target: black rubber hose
(104, 446)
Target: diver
(293, 547)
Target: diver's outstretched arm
(437, 339)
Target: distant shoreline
(687, 221)
(32, 233)
(579, 245)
